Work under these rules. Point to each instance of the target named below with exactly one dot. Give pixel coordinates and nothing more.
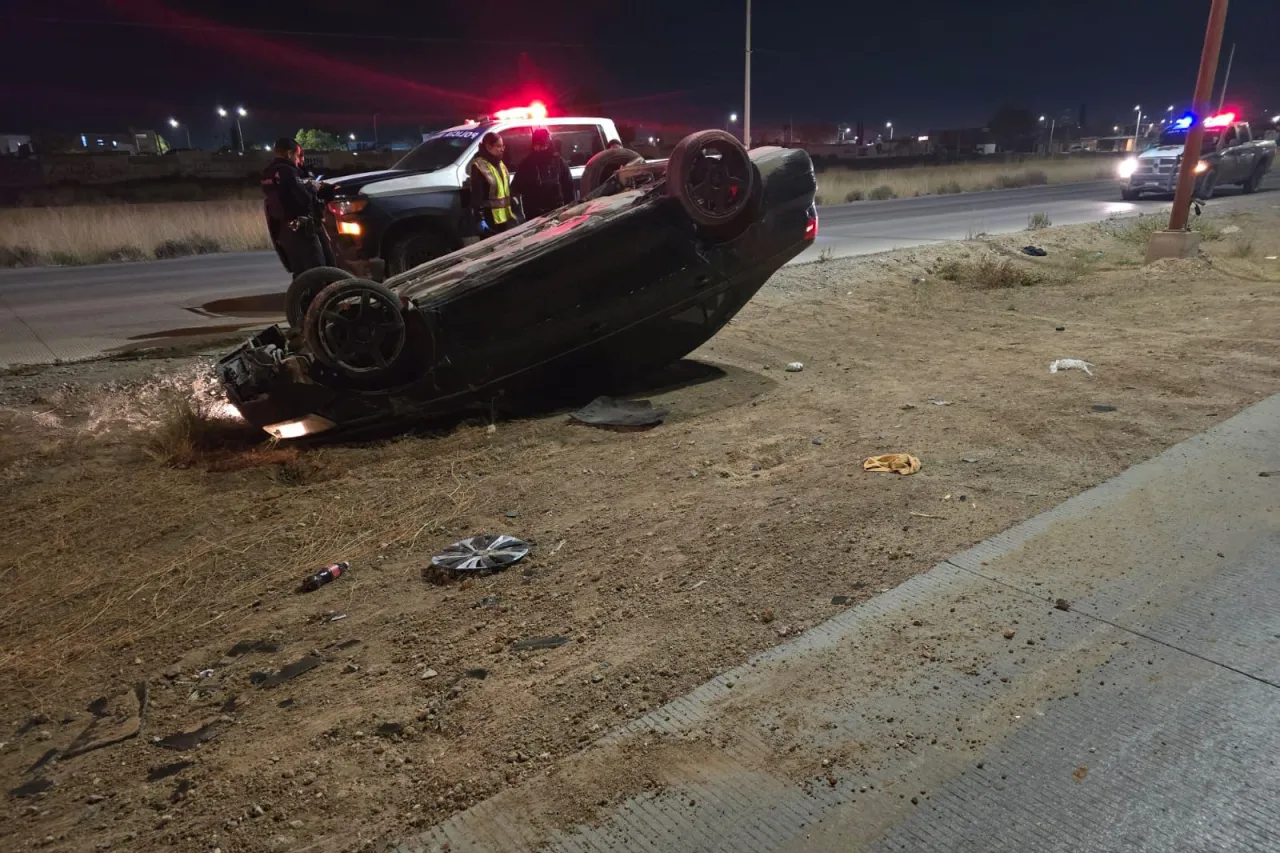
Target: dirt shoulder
(664, 557)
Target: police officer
(543, 182)
(293, 211)
(491, 188)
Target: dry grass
(191, 430)
(1038, 220)
(837, 185)
(1138, 231)
(986, 273)
(132, 232)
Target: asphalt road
(72, 313)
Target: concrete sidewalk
(964, 711)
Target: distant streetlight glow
(241, 112)
(351, 136)
(1042, 118)
(733, 117)
(175, 124)
(222, 113)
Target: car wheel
(1208, 184)
(357, 328)
(712, 176)
(415, 249)
(304, 289)
(603, 166)
(1129, 195)
(1254, 180)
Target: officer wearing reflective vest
(491, 188)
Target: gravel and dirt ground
(143, 601)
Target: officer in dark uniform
(293, 211)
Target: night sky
(106, 65)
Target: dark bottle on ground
(322, 577)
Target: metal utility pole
(1195, 135)
(1227, 77)
(1137, 128)
(746, 99)
(375, 131)
(1053, 125)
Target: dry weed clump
(986, 273)
(190, 430)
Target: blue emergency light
(1185, 122)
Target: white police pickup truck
(1229, 154)
(383, 223)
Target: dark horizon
(105, 65)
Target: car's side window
(519, 142)
(1245, 134)
(1233, 137)
(577, 143)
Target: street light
(1137, 126)
(241, 112)
(889, 125)
(351, 136)
(173, 122)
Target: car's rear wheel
(1129, 195)
(603, 166)
(1208, 184)
(415, 249)
(712, 176)
(357, 328)
(1255, 179)
(304, 289)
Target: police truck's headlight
(1201, 167)
(347, 206)
(1127, 167)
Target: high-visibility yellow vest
(499, 189)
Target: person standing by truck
(491, 188)
(543, 182)
(292, 211)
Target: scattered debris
(840, 599)
(389, 729)
(1009, 633)
(1102, 407)
(972, 460)
(488, 601)
(190, 739)
(818, 440)
(539, 643)
(334, 617)
(1081, 773)
(1034, 251)
(30, 789)
(1062, 604)
(927, 515)
(42, 761)
(892, 463)
(696, 585)
(1059, 328)
(287, 703)
(795, 367)
(478, 672)
(512, 513)
(1269, 473)
(428, 674)
(245, 647)
(293, 670)
(326, 575)
(1071, 364)
(180, 790)
(1230, 229)
(114, 720)
(1272, 257)
(941, 402)
(606, 411)
(487, 552)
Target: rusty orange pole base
(1173, 244)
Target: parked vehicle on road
(387, 222)
(656, 260)
(1229, 155)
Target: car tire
(304, 289)
(357, 329)
(1208, 184)
(415, 249)
(1254, 180)
(711, 174)
(1129, 195)
(603, 166)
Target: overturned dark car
(654, 261)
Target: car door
(577, 143)
(1233, 168)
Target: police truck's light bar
(1185, 122)
(535, 111)
(1220, 120)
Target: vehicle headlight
(1201, 167)
(1127, 167)
(347, 206)
(308, 425)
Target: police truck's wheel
(1255, 179)
(357, 328)
(713, 177)
(414, 250)
(304, 289)
(1208, 184)
(603, 166)
(1129, 195)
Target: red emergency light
(535, 111)
(1220, 120)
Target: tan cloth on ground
(892, 463)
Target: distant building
(131, 142)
